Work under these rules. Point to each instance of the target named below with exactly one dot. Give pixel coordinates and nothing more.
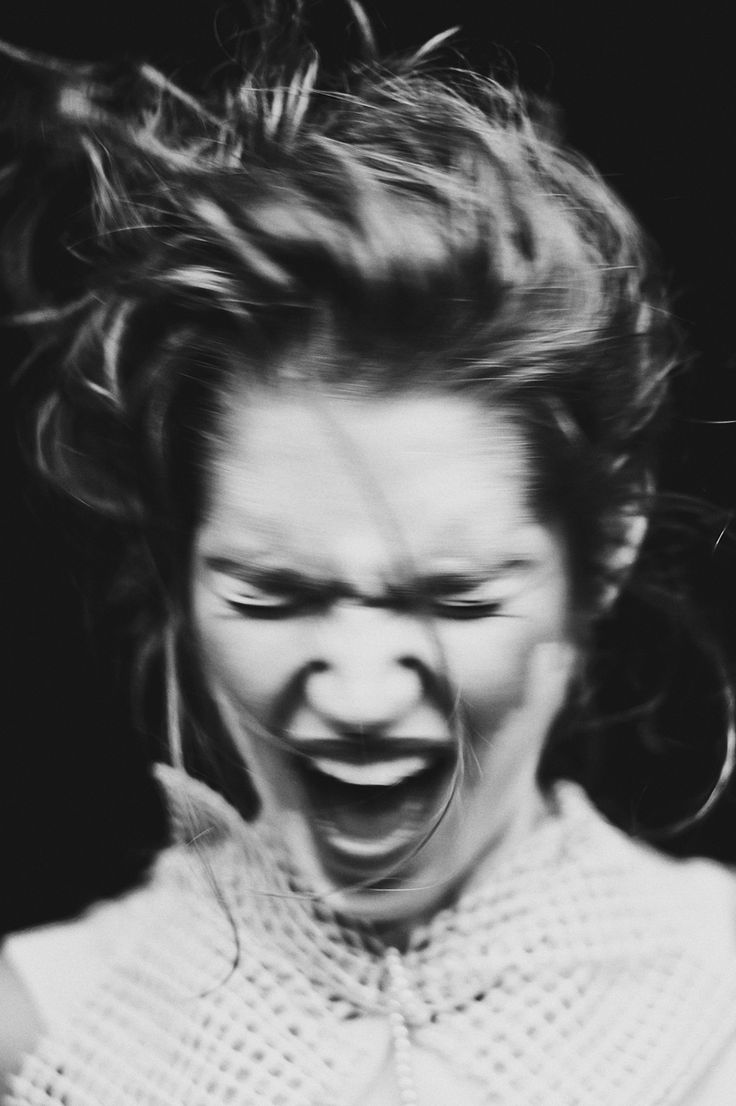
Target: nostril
(315, 667)
(423, 673)
(411, 663)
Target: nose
(369, 669)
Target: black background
(647, 92)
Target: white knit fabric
(588, 971)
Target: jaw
(392, 882)
(459, 853)
(391, 906)
(391, 895)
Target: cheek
(253, 666)
(489, 666)
(488, 672)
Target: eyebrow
(275, 577)
(281, 579)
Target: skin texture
(368, 500)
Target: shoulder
(695, 894)
(20, 1021)
(55, 963)
(48, 972)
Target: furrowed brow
(405, 593)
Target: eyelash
(290, 606)
(278, 608)
(466, 609)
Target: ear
(632, 529)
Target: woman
(369, 375)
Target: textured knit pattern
(587, 970)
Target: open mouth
(371, 808)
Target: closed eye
(256, 602)
(465, 607)
(259, 602)
(258, 593)
(284, 594)
(461, 597)
(476, 601)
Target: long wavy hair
(431, 223)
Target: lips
(372, 803)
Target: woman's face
(376, 602)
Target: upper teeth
(384, 773)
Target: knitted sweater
(587, 971)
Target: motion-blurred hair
(414, 228)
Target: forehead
(310, 473)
